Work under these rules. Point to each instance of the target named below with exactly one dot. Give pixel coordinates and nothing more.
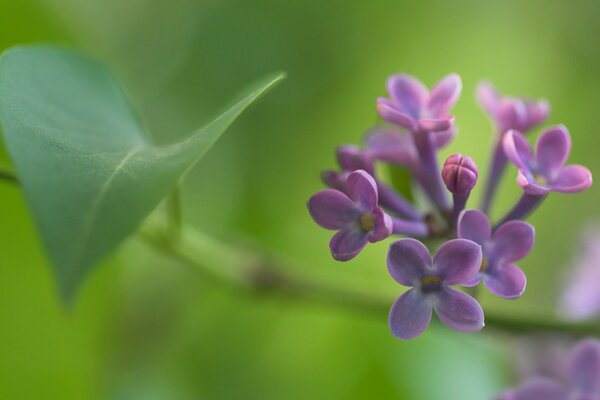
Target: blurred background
(145, 327)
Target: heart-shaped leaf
(88, 170)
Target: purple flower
(455, 263)
(581, 299)
(545, 170)
(415, 108)
(511, 242)
(583, 381)
(511, 112)
(355, 215)
(459, 174)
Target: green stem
(258, 271)
(173, 203)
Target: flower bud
(459, 174)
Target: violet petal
(584, 367)
(410, 315)
(541, 389)
(332, 209)
(347, 243)
(444, 95)
(474, 225)
(506, 280)
(458, 310)
(407, 261)
(383, 226)
(572, 179)
(458, 261)
(362, 189)
(552, 149)
(517, 149)
(513, 240)
(408, 93)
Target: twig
(262, 273)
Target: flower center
(484, 264)
(367, 222)
(540, 180)
(430, 283)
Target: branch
(256, 271)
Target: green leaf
(88, 170)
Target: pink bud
(459, 174)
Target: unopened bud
(459, 174)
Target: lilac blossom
(355, 215)
(582, 381)
(510, 242)
(545, 170)
(507, 112)
(410, 264)
(412, 106)
(352, 158)
(510, 112)
(425, 114)
(581, 298)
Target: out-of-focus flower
(511, 241)
(509, 112)
(581, 298)
(545, 170)
(410, 264)
(412, 106)
(582, 383)
(355, 215)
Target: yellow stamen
(367, 222)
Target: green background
(145, 327)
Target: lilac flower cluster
(581, 380)
(416, 124)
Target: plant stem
(260, 272)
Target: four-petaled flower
(455, 263)
(583, 370)
(510, 242)
(511, 112)
(411, 105)
(355, 215)
(545, 170)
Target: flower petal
(347, 243)
(512, 241)
(474, 225)
(335, 180)
(392, 145)
(410, 315)
(505, 280)
(584, 367)
(541, 389)
(388, 111)
(332, 209)
(458, 310)
(362, 189)
(408, 93)
(572, 179)
(435, 125)
(351, 158)
(443, 138)
(517, 149)
(537, 112)
(383, 226)
(488, 97)
(529, 185)
(458, 261)
(552, 149)
(444, 95)
(407, 261)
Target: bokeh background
(145, 327)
